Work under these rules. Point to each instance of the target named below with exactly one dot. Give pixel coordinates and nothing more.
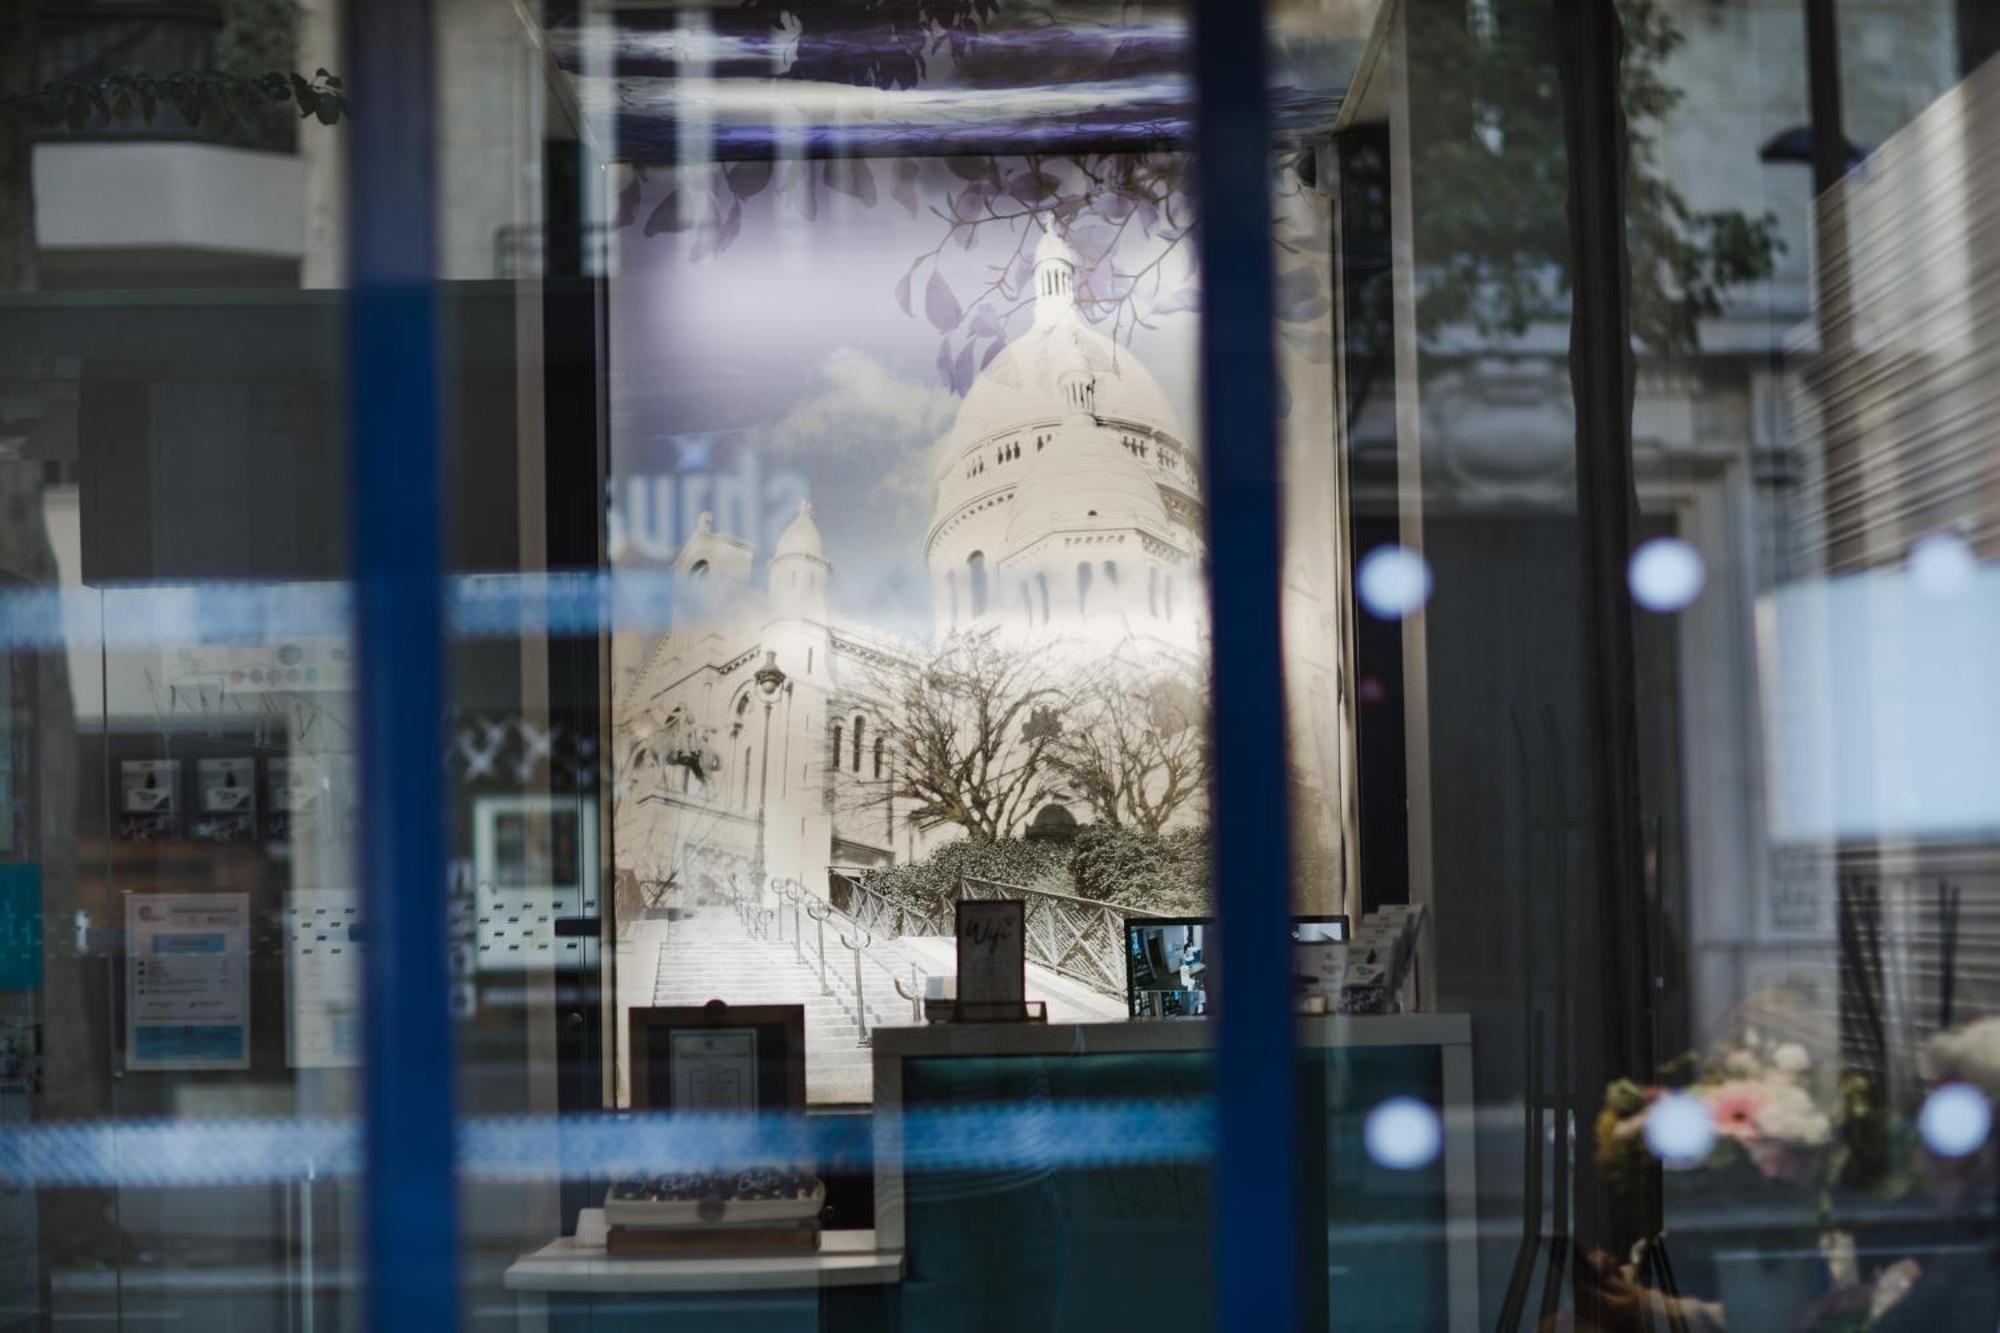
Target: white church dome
(1064, 454)
(1019, 387)
(801, 537)
(1022, 389)
(1085, 480)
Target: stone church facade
(1067, 519)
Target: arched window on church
(838, 732)
(975, 577)
(1027, 605)
(1083, 588)
(697, 569)
(879, 748)
(860, 726)
(1170, 597)
(1111, 572)
(1153, 592)
(1042, 584)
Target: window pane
(176, 858)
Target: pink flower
(1735, 1106)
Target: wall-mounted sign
(323, 978)
(149, 802)
(992, 961)
(20, 927)
(187, 980)
(534, 863)
(225, 800)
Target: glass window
(731, 439)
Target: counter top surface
(580, 1263)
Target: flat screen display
(1166, 968)
(1316, 929)
(1166, 962)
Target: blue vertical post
(411, 1214)
(1256, 1190)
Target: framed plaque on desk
(719, 1057)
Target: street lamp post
(770, 683)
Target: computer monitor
(1166, 967)
(1166, 961)
(1312, 929)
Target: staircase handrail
(877, 911)
(855, 934)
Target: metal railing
(1079, 938)
(886, 916)
(802, 917)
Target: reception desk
(1082, 1223)
(1078, 1245)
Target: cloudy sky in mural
(809, 332)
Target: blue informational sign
(20, 927)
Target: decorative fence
(1078, 938)
(884, 916)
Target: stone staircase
(708, 955)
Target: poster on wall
(294, 789)
(225, 800)
(534, 864)
(187, 981)
(323, 979)
(149, 805)
(916, 439)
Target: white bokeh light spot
(1666, 574)
(1942, 565)
(1679, 1129)
(1393, 581)
(1403, 1134)
(1955, 1120)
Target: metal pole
(819, 912)
(860, 1004)
(307, 1241)
(1258, 1265)
(763, 792)
(1612, 1001)
(395, 499)
(866, 938)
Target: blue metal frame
(411, 1215)
(1257, 1254)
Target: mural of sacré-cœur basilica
(772, 752)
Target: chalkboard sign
(992, 961)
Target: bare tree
(972, 729)
(1134, 743)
